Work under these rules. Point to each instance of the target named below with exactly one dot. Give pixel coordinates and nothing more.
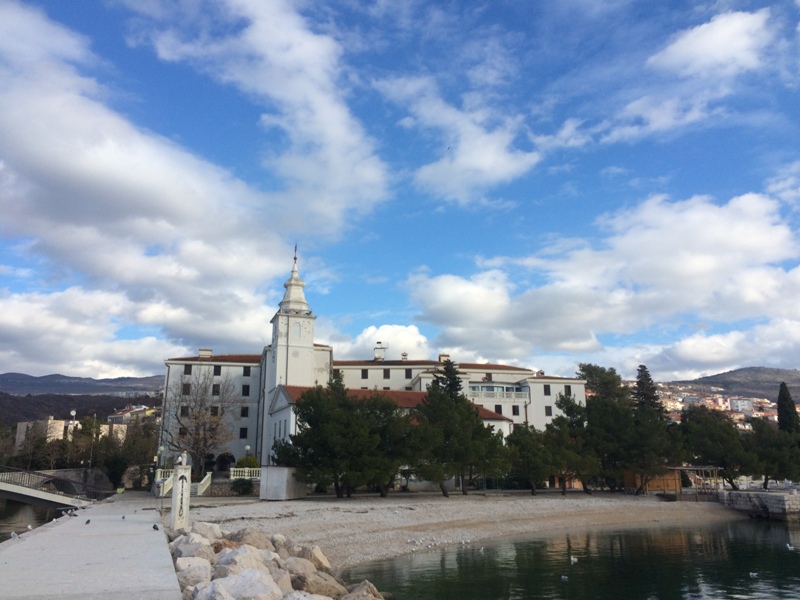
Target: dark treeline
(349, 443)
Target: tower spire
(294, 300)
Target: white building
(271, 382)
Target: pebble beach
(365, 529)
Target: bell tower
(291, 360)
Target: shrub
(247, 462)
(242, 487)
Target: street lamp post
(247, 450)
(91, 448)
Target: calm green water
(647, 564)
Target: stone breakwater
(249, 564)
(773, 506)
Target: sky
(539, 184)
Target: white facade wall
(393, 375)
(243, 384)
(517, 394)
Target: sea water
(741, 559)
(16, 516)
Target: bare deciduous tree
(200, 407)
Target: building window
(408, 388)
(187, 369)
(515, 410)
(245, 412)
(215, 389)
(184, 411)
(387, 373)
(245, 371)
(186, 389)
(498, 408)
(214, 411)
(364, 373)
(182, 431)
(242, 433)
(546, 389)
(364, 388)
(408, 373)
(487, 377)
(245, 391)
(568, 390)
(386, 388)
(548, 411)
(217, 370)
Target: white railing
(504, 395)
(202, 486)
(246, 473)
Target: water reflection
(16, 516)
(645, 564)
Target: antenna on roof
(295, 252)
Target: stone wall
(222, 487)
(775, 506)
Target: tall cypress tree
(788, 420)
(646, 393)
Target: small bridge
(40, 488)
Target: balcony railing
(248, 473)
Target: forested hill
(755, 382)
(32, 408)
(20, 384)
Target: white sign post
(181, 491)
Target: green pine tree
(788, 420)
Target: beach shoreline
(365, 529)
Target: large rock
(190, 538)
(316, 556)
(210, 531)
(243, 556)
(253, 537)
(282, 577)
(297, 566)
(251, 584)
(280, 541)
(297, 595)
(319, 583)
(210, 590)
(189, 562)
(194, 575)
(362, 591)
(196, 551)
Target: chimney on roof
(380, 352)
(444, 357)
(204, 353)
(540, 373)
(404, 356)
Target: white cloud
(397, 339)
(269, 51)
(729, 44)
(659, 264)
(478, 146)
(786, 184)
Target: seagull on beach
(753, 575)
(564, 578)
(573, 559)
(790, 547)
(30, 527)
(123, 517)
(14, 535)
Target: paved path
(110, 558)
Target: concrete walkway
(110, 558)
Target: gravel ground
(364, 529)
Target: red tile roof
(402, 398)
